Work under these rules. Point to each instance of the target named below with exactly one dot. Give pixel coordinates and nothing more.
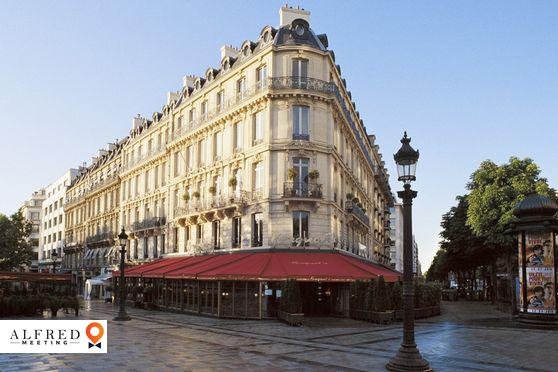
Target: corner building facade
(268, 150)
(265, 151)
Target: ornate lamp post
(54, 256)
(122, 315)
(536, 230)
(408, 357)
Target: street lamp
(408, 357)
(122, 239)
(54, 256)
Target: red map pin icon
(99, 335)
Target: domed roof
(535, 204)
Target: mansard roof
(300, 33)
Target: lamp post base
(408, 358)
(122, 317)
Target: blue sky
(468, 80)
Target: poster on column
(539, 252)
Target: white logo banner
(53, 336)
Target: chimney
(228, 51)
(112, 146)
(171, 96)
(102, 152)
(136, 122)
(188, 81)
(288, 14)
(371, 139)
(94, 159)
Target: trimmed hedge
(377, 295)
(34, 305)
(291, 299)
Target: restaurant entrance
(324, 299)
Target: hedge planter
(378, 317)
(296, 320)
(420, 313)
(382, 317)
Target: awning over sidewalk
(331, 266)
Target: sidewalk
(156, 341)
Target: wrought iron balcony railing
(301, 137)
(302, 190)
(100, 237)
(210, 203)
(305, 83)
(354, 209)
(148, 223)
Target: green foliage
(14, 248)
(314, 174)
(212, 190)
(494, 192)
(291, 299)
(350, 196)
(233, 182)
(460, 249)
(382, 302)
(358, 291)
(55, 303)
(370, 296)
(292, 174)
(473, 231)
(396, 296)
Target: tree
(460, 250)
(494, 192)
(14, 248)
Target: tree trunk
(493, 283)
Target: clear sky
(468, 80)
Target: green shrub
(291, 300)
(381, 295)
(358, 291)
(370, 297)
(55, 303)
(396, 296)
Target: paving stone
(468, 336)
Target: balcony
(222, 108)
(148, 224)
(138, 159)
(301, 137)
(302, 190)
(97, 239)
(356, 211)
(305, 83)
(214, 206)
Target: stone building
(93, 216)
(31, 212)
(52, 222)
(264, 151)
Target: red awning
(271, 266)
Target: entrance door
(316, 299)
